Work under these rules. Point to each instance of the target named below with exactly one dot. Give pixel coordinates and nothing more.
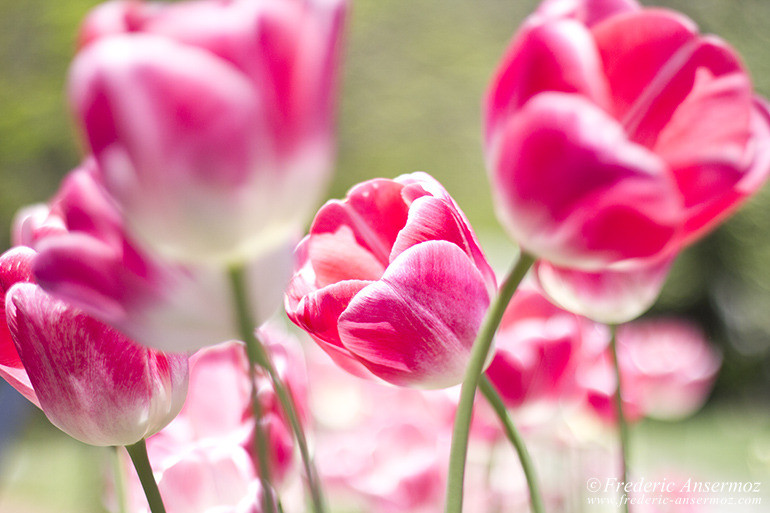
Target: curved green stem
(517, 441)
(141, 461)
(622, 423)
(258, 356)
(478, 357)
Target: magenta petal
(86, 272)
(92, 382)
(15, 267)
(573, 190)
(723, 200)
(374, 211)
(557, 56)
(416, 326)
(430, 219)
(588, 12)
(318, 313)
(610, 297)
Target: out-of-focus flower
(616, 135)
(535, 350)
(87, 259)
(380, 448)
(671, 365)
(212, 120)
(391, 281)
(90, 380)
(667, 370)
(204, 458)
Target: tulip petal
(573, 190)
(610, 297)
(727, 186)
(15, 267)
(373, 210)
(416, 326)
(318, 313)
(651, 59)
(558, 56)
(92, 382)
(588, 12)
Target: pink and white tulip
(91, 381)
(667, 370)
(87, 259)
(215, 425)
(212, 121)
(391, 282)
(536, 350)
(615, 135)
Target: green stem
(517, 441)
(139, 458)
(258, 355)
(622, 423)
(120, 480)
(256, 358)
(478, 357)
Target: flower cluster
(135, 301)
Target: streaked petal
(416, 326)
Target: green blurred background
(414, 75)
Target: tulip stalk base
(622, 423)
(138, 454)
(479, 353)
(258, 356)
(517, 441)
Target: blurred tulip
(615, 136)
(87, 259)
(214, 429)
(90, 381)
(535, 350)
(391, 281)
(212, 121)
(381, 449)
(667, 370)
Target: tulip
(616, 135)
(204, 458)
(535, 350)
(211, 120)
(381, 449)
(87, 259)
(667, 370)
(391, 282)
(90, 380)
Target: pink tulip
(535, 350)
(211, 120)
(90, 381)
(671, 365)
(216, 420)
(615, 136)
(380, 449)
(214, 478)
(667, 370)
(87, 259)
(391, 281)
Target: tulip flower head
(391, 281)
(211, 120)
(90, 380)
(667, 369)
(87, 258)
(616, 135)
